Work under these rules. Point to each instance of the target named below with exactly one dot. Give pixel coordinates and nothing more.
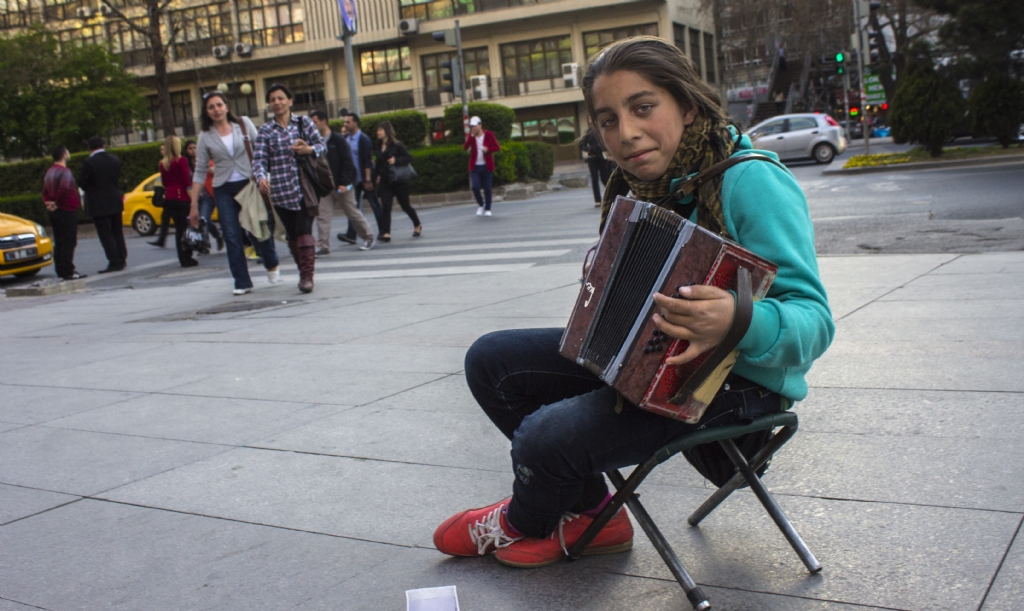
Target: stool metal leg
(693, 592)
(771, 506)
(622, 494)
(762, 456)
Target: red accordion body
(646, 250)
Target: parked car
(25, 246)
(856, 129)
(139, 212)
(800, 136)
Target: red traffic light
(885, 106)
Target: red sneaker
(615, 537)
(474, 532)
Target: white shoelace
(488, 531)
(568, 517)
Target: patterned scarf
(704, 143)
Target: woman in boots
(277, 175)
(177, 178)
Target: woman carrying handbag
(223, 140)
(176, 177)
(393, 173)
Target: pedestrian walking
(362, 157)
(276, 168)
(393, 154)
(222, 141)
(660, 122)
(176, 178)
(339, 157)
(206, 205)
(158, 200)
(60, 195)
(98, 178)
(599, 167)
(482, 145)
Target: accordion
(645, 250)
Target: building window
(440, 9)
(477, 62)
(19, 14)
(200, 29)
(695, 49)
(385, 65)
(239, 103)
(384, 102)
(307, 89)
(56, 10)
(89, 34)
(129, 44)
(535, 60)
(595, 41)
(679, 36)
(181, 107)
(555, 131)
(265, 23)
(709, 57)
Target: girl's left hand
(702, 315)
(391, 160)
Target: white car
(802, 136)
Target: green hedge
(411, 126)
(138, 162)
(445, 168)
(31, 207)
(496, 118)
(542, 159)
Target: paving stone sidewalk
(167, 448)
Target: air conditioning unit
(408, 27)
(478, 84)
(570, 74)
(84, 13)
(106, 10)
(242, 48)
(221, 51)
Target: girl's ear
(689, 116)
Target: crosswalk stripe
(488, 256)
(422, 271)
(386, 251)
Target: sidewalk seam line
(999, 568)
(894, 289)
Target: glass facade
(535, 59)
(181, 106)
(200, 29)
(595, 41)
(385, 65)
(307, 89)
(477, 62)
(441, 9)
(709, 57)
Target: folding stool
(746, 473)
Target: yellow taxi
(139, 212)
(25, 246)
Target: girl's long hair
(663, 65)
(389, 132)
(204, 119)
(172, 150)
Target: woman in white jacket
(223, 140)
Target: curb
(927, 165)
(50, 286)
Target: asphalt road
(971, 209)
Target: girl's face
(641, 124)
(216, 109)
(381, 134)
(190, 150)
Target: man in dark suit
(98, 177)
(362, 158)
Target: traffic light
(840, 68)
(854, 111)
(450, 77)
(446, 36)
(874, 41)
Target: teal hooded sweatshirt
(766, 212)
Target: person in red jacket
(60, 194)
(176, 177)
(482, 145)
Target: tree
(997, 108)
(926, 108)
(59, 97)
(904, 24)
(986, 30)
(152, 28)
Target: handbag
(317, 171)
(402, 174)
(158, 196)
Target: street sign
(874, 92)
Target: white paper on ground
(432, 599)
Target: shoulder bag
(402, 174)
(315, 174)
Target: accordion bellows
(646, 250)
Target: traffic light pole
(462, 79)
(846, 100)
(863, 75)
(350, 68)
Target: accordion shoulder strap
(692, 184)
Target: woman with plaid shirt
(277, 175)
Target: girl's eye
(608, 122)
(644, 108)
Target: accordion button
(647, 350)
(657, 348)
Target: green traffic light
(839, 58)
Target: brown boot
(306, 258)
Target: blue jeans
(565, 427)
(227, 211)
(206, 211)
(481, 178)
